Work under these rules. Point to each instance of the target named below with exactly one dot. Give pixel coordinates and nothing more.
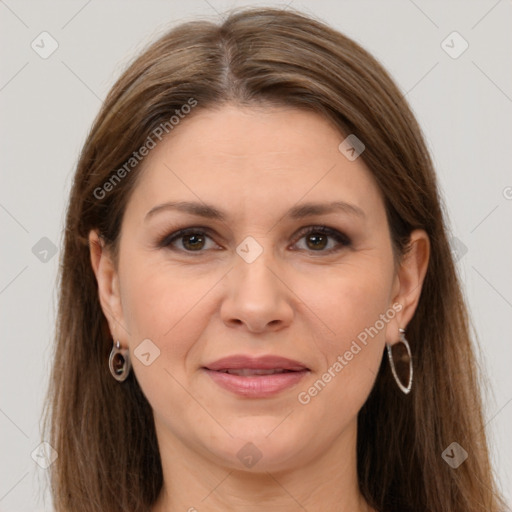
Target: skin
(296, 300)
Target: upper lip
(256, 363)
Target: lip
(255, 363)
(256, 386)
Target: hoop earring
(119, 362)
(404, 360)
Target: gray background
(463, 104)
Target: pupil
(317, 238)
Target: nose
(258, 299)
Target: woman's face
(283, 274)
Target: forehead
(256, 161)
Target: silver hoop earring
(404, 358)
(119, 362)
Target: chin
(260, 445)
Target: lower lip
(258, 386)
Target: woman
(259, 306)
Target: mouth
(250, 372)
(256, 377)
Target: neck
(194, 483)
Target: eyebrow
(297, 212)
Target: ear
(409, 280)
(108, 284)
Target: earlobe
(411, 275)
(107, 278)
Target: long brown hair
(103, 431)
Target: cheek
(170, 307)
(354, 309)
(165, 304)
(348, 298)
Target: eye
(317, 239)
(189, 240)
(195, 239)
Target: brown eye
(188, 240)
(323, 239)
(317, 241)
(193, 242)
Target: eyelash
(341, 238)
